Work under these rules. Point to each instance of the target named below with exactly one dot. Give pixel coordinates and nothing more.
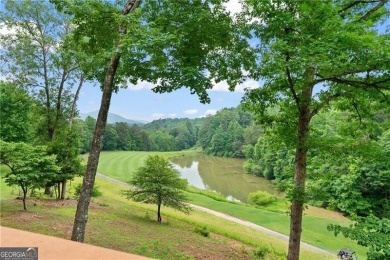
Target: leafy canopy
(30, 165)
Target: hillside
(113, 118)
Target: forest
(318, 126)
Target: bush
(253, 168)
(261, 198)
(95, 191)
(204, 231)
(261, 252)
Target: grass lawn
(120, 165)
(121, 224)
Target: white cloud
(190, 111)
(140, 85)
(233, 6)
(220, 86)
(249, 84)
(5, 30)
(210, 112)
(224, 87)
(158, 115)
(173, 115)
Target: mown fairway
(119, 165)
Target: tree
(371, 232)
(310, 54)
(66, 147)
(159, 183)
(30, 166)
(170, 43)
(40, 56)
(15, 112)
(110, 139)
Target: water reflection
(224, 175)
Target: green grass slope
(120, 165)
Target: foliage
(96, 192)
(223, 133)
(371, 232)
(30, 166)
(40, 58)
(157, 182)
(15, 111)
(261, 198)
(299, 47)
(66, 147)
(204, 231)
(269, 158)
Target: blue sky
(141, 103)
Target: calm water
(223, 175)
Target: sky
(139, 102)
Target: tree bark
(81, 217)
(48, 189)
(159, 219)
(24, 198)
(76, 97)
(63, 190)
(299, 175)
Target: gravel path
(233, 219)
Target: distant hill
(113, 118)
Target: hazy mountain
(113, 118)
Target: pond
(223, 175)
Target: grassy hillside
(124, 225)
(120, 165)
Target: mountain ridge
(113, 118)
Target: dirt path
(233, 219)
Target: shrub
(261, 252)
(95, 191)
(261, 198)
(253, 168)
(204, 231)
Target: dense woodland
(318, 126)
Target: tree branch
(372, 10)
(326, 102)
(130, 6)
(353, 3)
(291, 86)
(357, 110)
(342, 74)
(357, 83)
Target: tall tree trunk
(63, 190)
(159, 213)
(299, 176)
(48, 189)
(81, 217)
